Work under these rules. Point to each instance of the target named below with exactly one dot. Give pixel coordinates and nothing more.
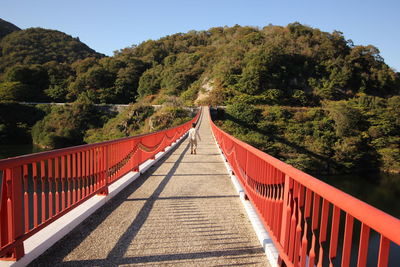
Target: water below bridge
(183, 211)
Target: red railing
(310, 222)
(37, 189)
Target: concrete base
(38, 243)
(269, 248)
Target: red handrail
(37, 189)
(303, 214)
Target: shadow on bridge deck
(182, 211)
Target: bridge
(148, 201)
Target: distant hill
(293, 65)
(7, 28)
(38, 46)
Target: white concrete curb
(266, 242)
(41, 241)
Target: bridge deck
(183, 211)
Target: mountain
(38, 46)
(293, 65)
(290, 65)
(7, 28)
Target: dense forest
(347, 136)
(311, 98)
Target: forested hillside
(292, 65)
(348, 136)
(311, 98)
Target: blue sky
(107, 26)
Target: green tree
(59, 75)
(11, 91)
(34, 79)
(149, 82)
(348, 120)
(66, 125)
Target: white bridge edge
(265, 240)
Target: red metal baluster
(57, 178)
(384, 247)
(84, 176)
(68, 181)
(334, 234)
(63, 159)
(35, 197)
(93, 169)
(79, 176)
(363, 247)
(3, 210)
(95, 174)
(91, 175)
(97, 168)
(105, 159)
(322, 233)
(43, 198)
(280, 180)
(14, 204)
(73, 177)
(348, 234)
(26, 197)
(314, 226)
(103, 152)
(298, 240)
(88, 184)
(293, 224)
(304, 241)
(9, 205)
(50, 179)
(286, 216)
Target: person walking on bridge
(193, 134)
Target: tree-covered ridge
(292, 65)
(361, 134)
(295, 65)
(7, 28)
(39, 46)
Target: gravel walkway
(183, 211)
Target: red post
(285, 215)
(43, 197)
(63, 182)
(13, 204)
(348, 235)
(57, 178)
(363, 247)
(334, 233)
(35, 197)
(26, 198)
(50, 179)
(102, 171)
(79, 176)
(73, 177)
(68, 181)
(384, 246)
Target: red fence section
(37, 189)
(310, 222)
